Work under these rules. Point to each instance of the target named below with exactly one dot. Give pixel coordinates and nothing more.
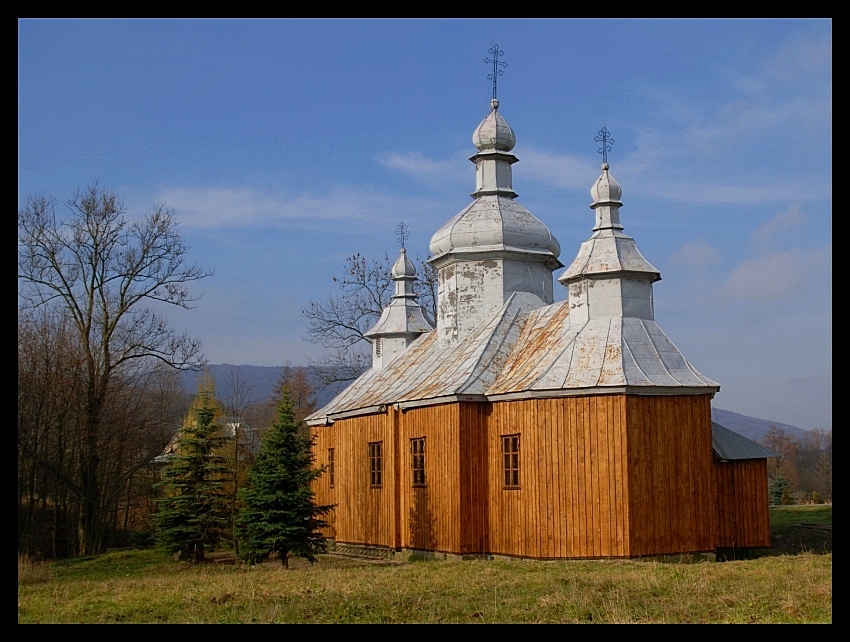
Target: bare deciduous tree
(105, 274)
(339, 323)
(244, 443)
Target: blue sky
(286, 145)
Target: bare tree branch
(340, 322)
(106, 274)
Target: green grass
(146, 586)
(785, 516)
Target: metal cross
(401, 233)
(604, 136)
(496, 52)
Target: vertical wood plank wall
(400, 515)
(325, 494)
(430, 515)
(670, 459)
(743, 515)
(572, 500)
(475, 478)
(364, 515)
(600, 476)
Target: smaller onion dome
(494, 132)
(606, 189)
(403, 266)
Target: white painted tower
(609, 277)
(494, 247)
(402, 320)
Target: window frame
(331, 468)
(510, 461)
(376, 464)
(417, 462)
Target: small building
(526, 427)
(740, 466)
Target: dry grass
(146, 586)
(141, 586)
(31, 571)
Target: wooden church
(524, 427)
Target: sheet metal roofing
(524, 351)
(729, 445)
(495, 223)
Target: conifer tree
(193, 512)
(279, 513)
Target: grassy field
(791, 583)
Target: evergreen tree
(778, 488)
(193, 512)
(279, 513)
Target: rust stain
(528, 358)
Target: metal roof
(527, 349)
(729, 445)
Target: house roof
(729, 445)
(524, 351)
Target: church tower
(494, 247)
(402, 320)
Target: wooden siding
(572, 496)
(671, 502)
(475, 480)
(600, 476)
(325, 494)
(445, 515)
(743, 516)
(364, 515)
(430, 515)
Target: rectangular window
(417, 451)
(375, 478)
(510, 457)
(331, 471)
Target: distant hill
(261, 381)
(751, 427)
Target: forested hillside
(262, 379)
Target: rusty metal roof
(612, 352)
(729, 445)
(525, 350)
(428, 373)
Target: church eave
(501, 251)
(645, 391)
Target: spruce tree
(279, 513)
(778, 487)
(193, 512)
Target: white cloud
(236, 207)
(791, 218)
(418, 166)
(776, 276)
(802, 57)
(558, 170)
(694, 256)
(690, 189)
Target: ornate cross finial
(496, 52)
(604, 137)
(401, 233)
